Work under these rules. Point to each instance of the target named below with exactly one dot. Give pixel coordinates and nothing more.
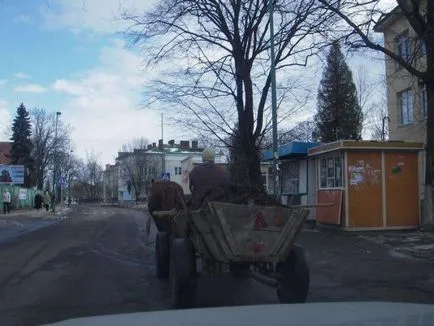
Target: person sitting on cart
(206, 176)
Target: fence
(17, 203)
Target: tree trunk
(428, 213)
(245, 162)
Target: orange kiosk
(368, 184)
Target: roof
(5, 150)
(292, 150)
(386, 19)
(364, 145)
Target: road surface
(99, 260)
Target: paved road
(99, 261)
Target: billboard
(12, 174)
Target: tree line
(42, 144)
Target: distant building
(175, 160)
(180, 158)
(110, 183)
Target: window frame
(404, 39)
(423, 102)
(331, 181)
(410, 117)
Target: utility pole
(55, 162)
(163, 161)
(274, 104)
(69, 179)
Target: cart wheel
(294, 281)
(162, 255)
(183, 273)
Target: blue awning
(291, 150)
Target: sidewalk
(417, 244)
(34, 213)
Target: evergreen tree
(339, 114)
(22, 144)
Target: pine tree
(21, 143)
(339, 115)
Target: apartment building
(406, 94)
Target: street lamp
(69, 179)
(274, 101)
(55, 161)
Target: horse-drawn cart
(256, 241)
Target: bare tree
(45, 146)
(366, 88)
(304, 132)
(139, 165)
(90, 173)
(359, 19)
(218, 53)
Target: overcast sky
(61, 55)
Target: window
(176, 170)
(406, 105)
(423, 102)
(290, 177)
(179, 170)
(331, 172)
(422, 47)
(404, 47)
(264, 180)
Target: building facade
(406, 95)
(172, 160)
(110, 183)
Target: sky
(68, 56)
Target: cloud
(5, 117)
(2, 82)
(98, 16)
(102, 104)
(22, 75)
(30, 88)
(23, 19)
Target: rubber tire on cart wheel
(162, 255)
(183, 273)
(294, 281)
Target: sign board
(12, 174)
(62, 180)
(165, 176)
(22, 195)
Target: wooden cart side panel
(220, 237)
(206, 243)
(365, 189)
(289, 235)
(292, 227)
(224, 230)
(402, 189)
(237, 223)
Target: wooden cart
(256, 241)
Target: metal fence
(17, 203)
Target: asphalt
(99, 260)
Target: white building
(180, 158)
(177, 161)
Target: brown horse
(164, 196)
